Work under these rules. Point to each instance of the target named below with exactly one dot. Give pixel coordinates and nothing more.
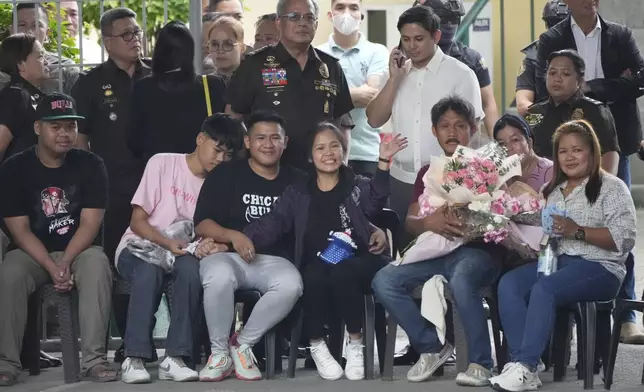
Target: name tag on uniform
(274, 77)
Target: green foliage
(68, 43)
(177, 10)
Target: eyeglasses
(224, 46)
(129, 36)
(296, 17)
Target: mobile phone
(400, 61)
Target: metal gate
(193, 21)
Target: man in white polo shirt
(364, 64)
(420, 75)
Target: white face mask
(345, 23)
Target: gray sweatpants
(222, 274)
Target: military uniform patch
(483, 63)
(324, 70)
(534, 119)
(577, 114)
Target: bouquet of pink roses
(470, 182)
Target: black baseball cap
(57, 107)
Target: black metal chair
(621, 307)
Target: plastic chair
(593, 327)
(621, 307)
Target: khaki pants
(20, 276)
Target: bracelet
(385, 160)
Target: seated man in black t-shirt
(233, 195)
(52, 210)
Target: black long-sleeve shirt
(169, 121)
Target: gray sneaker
(428, 363)
(475, 376)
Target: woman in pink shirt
(514, 133)
(167, 194)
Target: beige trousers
(20, 276)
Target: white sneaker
(541, 367)
(218, 367)
(328, 367)
(245, 363)
(475, 376)
(428, 363)
(133, 371)
(516, 378)
(175, 369)
(354, 369)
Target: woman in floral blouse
(594, 240)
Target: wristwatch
(580, 234)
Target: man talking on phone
(420, 75)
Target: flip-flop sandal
(8, 379)
(101, 373)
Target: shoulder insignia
(534, 119)
(577, 114)
(521, 68)
(483, 63)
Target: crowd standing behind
(266, 173)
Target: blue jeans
(147, 282)
(528, 305)
(627, 290)
(467, 270)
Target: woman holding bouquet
(594, 240)
(336, 272)
(513, 133)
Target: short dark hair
(14, 50)
(268, 116)
(175, 49)
(211, 16)
(574, 56)
(226, 130)
(456, 104)
(110, 16)
(266, 18)
(31, 6)
(212, 5)
(515, 121)
(327, 126)
(421, 15)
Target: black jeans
(147, 282)
(339, 288)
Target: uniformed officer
(103, 96)
(450, 13)
(554, 12)
(564, 79)
(301, 83)
(21, 57)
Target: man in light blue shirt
(364, 64)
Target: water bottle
(547, 263)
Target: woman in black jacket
(335, 247)
(170, 106)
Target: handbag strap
(206, 91)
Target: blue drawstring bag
(341, 247)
